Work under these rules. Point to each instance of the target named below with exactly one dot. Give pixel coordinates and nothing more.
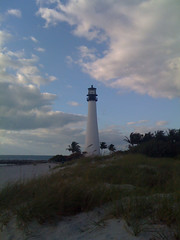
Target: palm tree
(74, 147)
(172, 135)
(134, 138)
(160, 135)
(111, 148)
(103, 145)
(147, 137)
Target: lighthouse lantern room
(92, 96)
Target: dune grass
(91, 182)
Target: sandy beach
(93, 225)
(84, 226)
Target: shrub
(156, 148)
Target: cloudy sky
(51, 51)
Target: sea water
(24, 157)
(11, 173)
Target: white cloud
(4, 36)
(40, 49)
(150, 127)
(33, 39)
(55, 140)
(22, 105)
(142, 39)
(137, 122)
(113, 135)
(14, 12)
(15, 67)
(52, 78)
(28, 125)
(161, 123)
(69, 60)
(50, 141)
(87, 54)
(51, 16)
(131, 123)
(73, 103)
(25, 107)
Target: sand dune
(84, 226)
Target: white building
(92, 135)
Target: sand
(84, 226)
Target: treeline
(158, 144)
(74, 147)
(76, 152)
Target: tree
(103, 145)
(147, 137)
(160, 135)
(158, 144)
(173, 135)
(111, 148)
(134, 138)
(74, 147)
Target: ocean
(25, 157)
(13, 173)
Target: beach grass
(144, 191)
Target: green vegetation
(111, 148)
(158, 144)
(142, 190)
(74, 147)
(103, 146)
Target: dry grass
(155, 198)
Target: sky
(51, 51)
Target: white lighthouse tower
(92, 135)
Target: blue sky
(51, 51)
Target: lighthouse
(92, 135)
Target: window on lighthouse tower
(92, 91)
